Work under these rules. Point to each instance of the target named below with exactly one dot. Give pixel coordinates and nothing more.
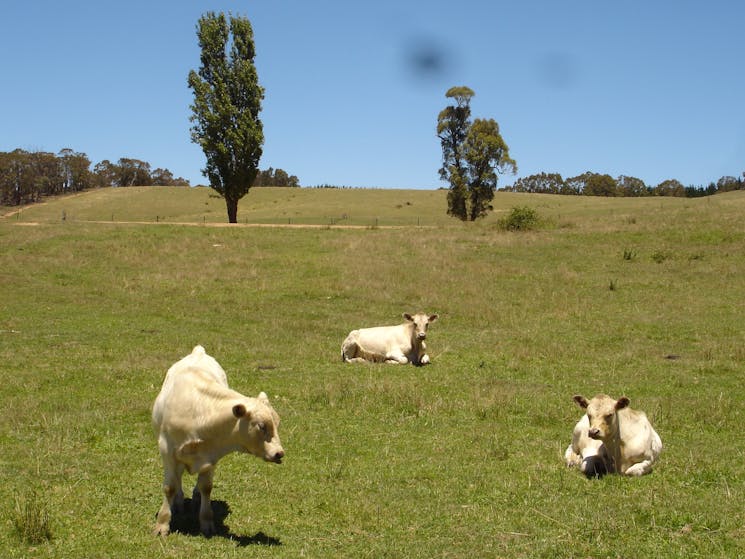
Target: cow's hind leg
(396, 357)
(349, 349)
(206, 517)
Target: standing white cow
(198, 420)
(402, 344)
(612, 438)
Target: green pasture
(463, 458)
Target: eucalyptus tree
(541, 183)
(452, 127)
(472, 155)
(486, 155)
(227, 102)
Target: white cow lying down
(403, 343)
(198, 420)
(612, 438)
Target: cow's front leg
(206, 517)
(640, 468)
(171, 488)
(423, 358)
(572, 459)
(178, 499)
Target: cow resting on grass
(402, 344)
(198, 420)
(612, 438)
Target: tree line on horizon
(597, 184)
(28, 176)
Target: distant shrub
(629, 255)
(659, 256)
(520, 218)
(31, 519)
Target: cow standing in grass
(198, 420)
(402, 344)
(612, 438)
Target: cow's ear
(581, 401)
(622, 402)
(408, 317)
(263, 398)
(239, 411)
(432, 317)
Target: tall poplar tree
(227, 102)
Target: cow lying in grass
(198, 420)
(612, 438)
(402, 344)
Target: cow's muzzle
(421, 335)
(276, 457)
(594, 434)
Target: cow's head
(601, 412)
(258, 426)
(420, 321)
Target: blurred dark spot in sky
(558, 70)
(427, 58)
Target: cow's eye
(609, 417)
(262, 427)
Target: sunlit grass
(461, 458)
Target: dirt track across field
(237, 225)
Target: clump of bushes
(520, 218)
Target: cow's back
(380, 339)
(637, 434)
(184, 387)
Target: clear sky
(648, 88)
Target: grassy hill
(262, 205)
(463, 458)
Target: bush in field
(31, 519)
(520, 218)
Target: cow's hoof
(161, 530)
(208, 529)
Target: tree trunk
(232, 205)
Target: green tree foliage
(669, 187)
(26, 177)
(542, 183)
(472, 155)
(276, 177)
(600, 185)
(631, 186)
(452, 127)
(727, 183)
(486, 154)
(132, 172)
(227, 102)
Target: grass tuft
(31, 519)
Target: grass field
(463, 458)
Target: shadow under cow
(187, 522)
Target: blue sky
(652, 89)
